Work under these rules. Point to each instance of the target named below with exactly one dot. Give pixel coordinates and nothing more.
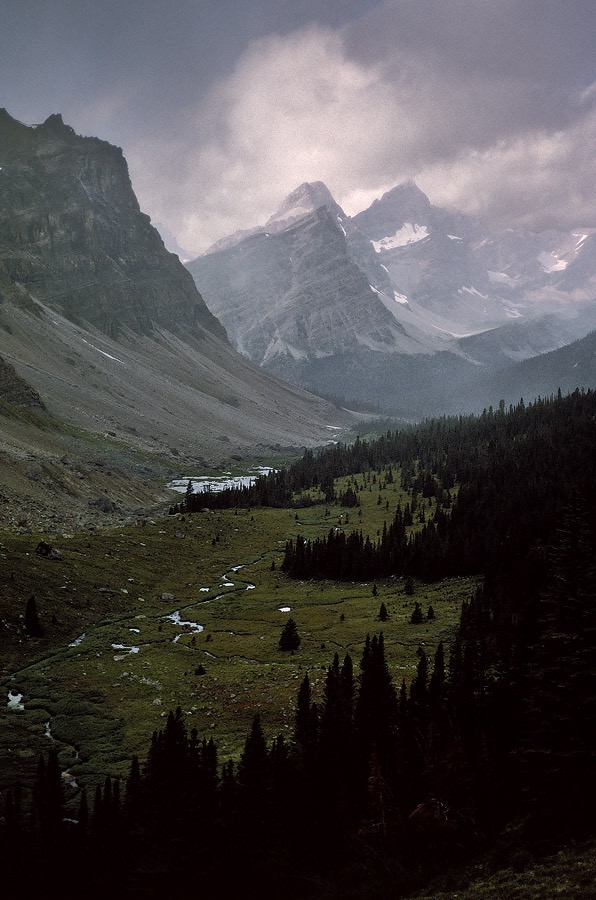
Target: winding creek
(89, 644)
(68, 700)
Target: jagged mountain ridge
(448, 284)
(108, 328)
(296, 290)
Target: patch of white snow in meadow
(125, 647)
(237, 568)
(409, 233)
(250, 587)
(78, 640)
(228, 584)
(285, 609)
(203, 590)
(14, 701)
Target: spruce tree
(252, 769)
(289, 638)
(375, 715)
(417, 618)
(32, 623)
(437, 679)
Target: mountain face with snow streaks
(340, 302)
(300, 286)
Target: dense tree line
(515, 470)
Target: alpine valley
(110, 360)
(367, 673)
(411, 309)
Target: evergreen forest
(387, 783)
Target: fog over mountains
(412, 308)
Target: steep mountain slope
(572, 366)
(383, 307)
(452, 265)
(108, 327)
(429, 258)
(293, 288)
(72, 235)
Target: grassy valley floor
(187, 611)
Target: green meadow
(187, 611)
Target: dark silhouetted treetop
(289, 638)
(32, 623)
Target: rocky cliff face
(99, 323)
(72, 235)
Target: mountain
(107, 329)
(298, 288)
(570, 367)
(383, 307)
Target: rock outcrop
(15, 390)
(83, 247)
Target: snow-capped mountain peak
(307, 197)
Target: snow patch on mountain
(472, 290)
(551, 263)
(500, 278)
(409, 233)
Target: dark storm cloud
(223, 108)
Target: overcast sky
(224, 107)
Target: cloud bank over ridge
(489, 107)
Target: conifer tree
(437, 679)
(375, 715)
(417, 618)
(289, 638)
(32, 623)
(252, 769)
(419, 686)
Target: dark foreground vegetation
(384, 784)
